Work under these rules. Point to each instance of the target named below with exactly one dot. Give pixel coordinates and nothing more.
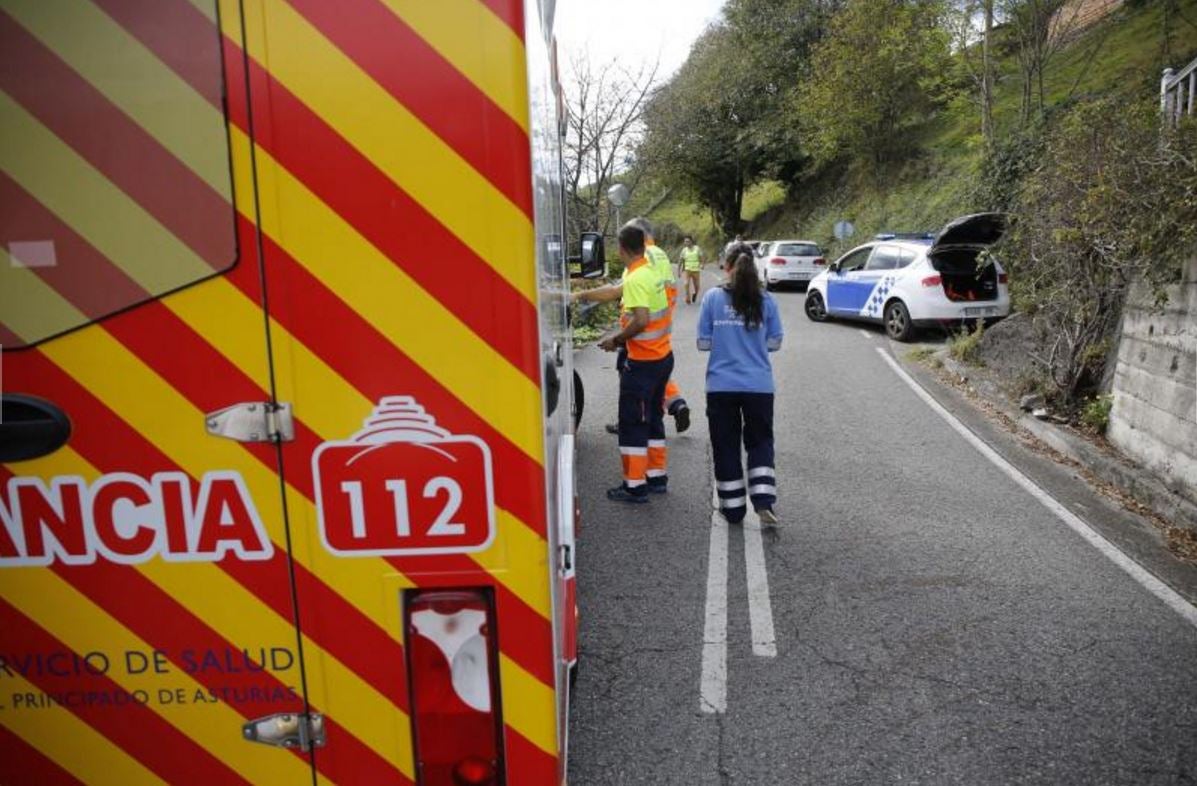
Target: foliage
(877, 74)
(1112, 201)
(964, 345)
(604, 121)
(697, 128)
(1095, 414)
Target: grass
(964, 345)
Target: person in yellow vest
(646, 334)
(675, 404)
(691, 266)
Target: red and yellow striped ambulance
(286, 464)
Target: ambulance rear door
(147, 625)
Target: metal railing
(1177, 91)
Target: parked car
(789, 261)
(907, 284)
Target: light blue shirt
(739, 361)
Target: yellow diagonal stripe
(397, 142)
(72, 744)
(95, 208)
(478, 44)
(532, 710)
(135, 80)
(395, 305)
(26, 300)
(81, 625)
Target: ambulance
(286, 460)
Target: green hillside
(1122, 55)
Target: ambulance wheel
(579, 400)
(815, 309)
(897, 321)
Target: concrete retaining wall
(1154, 419)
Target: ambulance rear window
(115, 177)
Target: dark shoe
(612, 428)
(768, 517)
(623, 494)
(681, 418)
(658, 486)
(733, 518)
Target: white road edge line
(760, 608)
(865, 333)
(1169, 596)
(712, 697)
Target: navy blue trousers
(734, 418)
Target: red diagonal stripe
(179, 34)
(20, 762)
(390, 219)
(403, 63)
(511, 12)
(116, 146)
(534, 766)
(136, 729)
(85, 278)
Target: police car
(911, 281)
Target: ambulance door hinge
(287, 730)
(253, 421)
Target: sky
(667, 29)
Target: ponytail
(745, 285)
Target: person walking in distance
(645, 332)
(691, 265)
(739, 325)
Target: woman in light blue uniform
(740, 325)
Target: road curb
(1142, 486)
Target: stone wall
(1154, 418)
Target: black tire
(816, 310)
(898, 325)
(579, 400)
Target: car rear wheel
(815, 308)
(897, 321)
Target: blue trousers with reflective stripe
(734, 418)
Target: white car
(789, 261)
(911, 283)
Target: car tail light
(932, 281)
(777, 261)
(452, 672)
(1003, 278)
(820, 261)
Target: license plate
(980, 312)
(800, 274)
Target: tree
(1041, 29)
(698, 136)
(604, 123)
(877, 74)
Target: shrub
(964, 345)
(1113, 200)
(1095, 414)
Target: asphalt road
(933, 621)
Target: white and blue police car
(907, 282)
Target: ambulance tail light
(932, 281)
(777, 261)
(453, 682)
